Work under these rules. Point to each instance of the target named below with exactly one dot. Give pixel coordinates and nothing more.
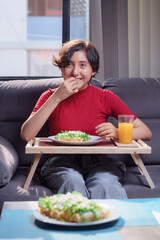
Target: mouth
(78, 79)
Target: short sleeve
(42, 99)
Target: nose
(75, 71)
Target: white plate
(94, 140)
(115, 214)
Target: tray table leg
(138, 161)
(32, 170)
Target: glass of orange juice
(125, 126)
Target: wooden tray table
(39, 146)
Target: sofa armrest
(9, 161)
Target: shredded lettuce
(72, 134)
(73, 202)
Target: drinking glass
(125, 125)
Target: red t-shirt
(84, 110)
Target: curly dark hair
(69, 48)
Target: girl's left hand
(107, 130)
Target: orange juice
(125, 132)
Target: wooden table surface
(47, 146)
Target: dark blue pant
(95, 176)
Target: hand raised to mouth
(66, 89)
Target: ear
(93, 73)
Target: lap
(105, 171)
(82, 164)
(81, 171)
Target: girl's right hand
(66, 89)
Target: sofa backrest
(142, 96)
(17, 99)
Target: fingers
(68, 88)
(102, 129)
(102, 132)
(70, 85)
(107, 130)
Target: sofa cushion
(8, 161)
(136, 184)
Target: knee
(110, 185)
(73, 181)
(73, 178)
(106, 181)
(109, 188)
(110, 182)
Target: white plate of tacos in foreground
(75, 138)
(72, 209)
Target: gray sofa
(17, 99)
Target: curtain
(127, 34)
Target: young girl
(77, 105)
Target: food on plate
(72, 207)
(72, 136)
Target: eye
(83, 65)
(69, 64)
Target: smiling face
(79, 68)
